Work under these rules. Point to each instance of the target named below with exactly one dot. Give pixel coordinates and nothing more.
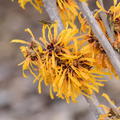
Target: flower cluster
(73, 61)
(114, 19)
(111, 113)
(62, 62)
(102, 60)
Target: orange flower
(100, 56)
(114, 19)
(62, 62)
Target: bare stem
(95, 105)
(89, 103)
(101, 37)
(51, 8)
(103, 15)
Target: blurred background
(19, 99)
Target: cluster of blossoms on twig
(102, 60)
(112, 112)
(114, 20)
(68, 10)
(62, 62)
(71, 62)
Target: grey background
(19, 99)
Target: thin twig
(109, 32)
(103, 15)
(51, 8)
(89, 103)
(101, 37)
(95, 105)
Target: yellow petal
(66, 56)
(53, 60)
(51, 93)
(88, 59)
(20, 41)
(39, 86)
(108, 98)
(74, 80)
(30, 32)
(83, 0)
(61, 79)
(115, 2)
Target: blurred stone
(6, 55)
(6, 118)
(7, 70)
